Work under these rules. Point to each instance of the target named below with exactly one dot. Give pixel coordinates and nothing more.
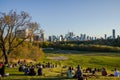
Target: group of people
(105, 73)
(116, 73)
(78, 73)
(75, 74)
(71, 72)
(30, 70)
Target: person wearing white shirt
(116, 73)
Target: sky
(58, 17)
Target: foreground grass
(50, 74)
(85, 59)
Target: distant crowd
(77, 73)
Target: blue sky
(56, 17)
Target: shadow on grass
(51, 79)
(48, 78)
(17, 75)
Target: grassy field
(87, 59)
(51, 74)
(84, 59)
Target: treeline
(108, 42)
(101, 45)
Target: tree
(33, 27)
(10, 23)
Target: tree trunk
(5, 57)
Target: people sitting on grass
(88, 70)
(26, 70)
(116, 73)
(70, 72)
(21, 68)
(93, 72)
(104, 72)
(78, 73)
(40, 70)
(32, 72)
(2, 70)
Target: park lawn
(94, 60)
(48, 74)
(51, 74)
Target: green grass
(98, 60)
(51, 74)
(84, 59)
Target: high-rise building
(105, 36)
(84, 36)
(24, 33)
(42, 37)
(113, 33)
(50, 38)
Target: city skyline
(57, 17)
(70, 36)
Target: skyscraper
(105, 36)
(113, 33)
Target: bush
(26, 51)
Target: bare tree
(10, 23)
(33, 27)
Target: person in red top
(2, 70)
(1, 64)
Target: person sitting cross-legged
(40, 70)
(116, 73)
(70, 72)
(104, 72)
(26, 70)
(32, 71)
